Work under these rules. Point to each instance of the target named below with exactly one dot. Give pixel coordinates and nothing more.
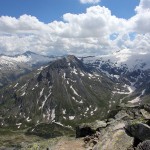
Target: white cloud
(141, 21)
(143, 6)
(89, 1)
(82, 34)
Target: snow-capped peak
(28, 57)
(132, 60)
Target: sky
(79, 27)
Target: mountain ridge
(65, 91)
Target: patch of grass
(51, 130)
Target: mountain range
(70, 90)
(12, 67)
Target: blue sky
(50, 10)
(79, 27)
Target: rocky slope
(65, 91)
(132, 70)
(128, 130)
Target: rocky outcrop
(140, 131)
(145, 114)
(88, 129)
(144, 145)
(127, 129)
(147, 107)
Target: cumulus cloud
(89, 1)
(94, 32)
(143, 6)
(141, 21)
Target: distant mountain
(66, 91)
(28, 57)
(69, 91)
(11, 67)
(132, 70)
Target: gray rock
(116, 140)
(145, 114)
(147, 107)
(89, 128)
(98, 124)
(140, 131)
(121, 114)
(144, 145)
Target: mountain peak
(71, 57)
(28, 53)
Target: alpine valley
(50, 96)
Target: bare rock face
(144, 145)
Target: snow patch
(137, 99)
(82, 74)
(41, 93)
(71, 117)
(143, 92)
(28, 119)
(23, 93)
(16, 85)
(53, 114)
(18, 124)
(92, 113)
(117, 76)
(41, 68)
(96, 109)
(45, 99)
(37, 85)
(64, 76)
(64, 111)
(74, 91)
(74, 71)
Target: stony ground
(70, 144)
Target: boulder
(89, 128)
(83, 131)
(145, 114)
(121, 114)
(144, 145)
(116, 140)
(147, 107)
(140, 131)
(98, 124)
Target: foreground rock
(114, 138)
(140, 131)
(144, 145)
(89, 128)
(145, 114)
(127, 129)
